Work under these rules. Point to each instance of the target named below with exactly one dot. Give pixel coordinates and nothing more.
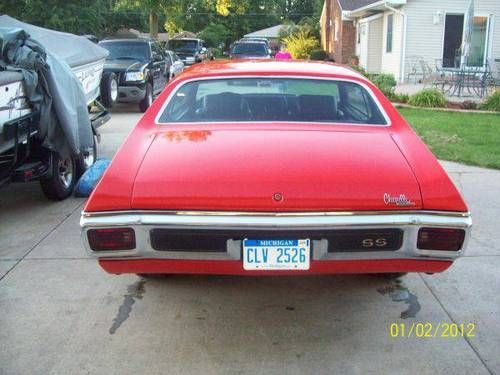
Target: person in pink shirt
(283, 54)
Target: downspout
(403, 41)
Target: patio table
(472, 79)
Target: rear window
(183, 45)
(252, 49)
(272, 99)
(126, 50)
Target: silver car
(175, 63)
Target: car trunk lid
(275, 170)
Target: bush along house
(398, 35)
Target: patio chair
(470, 78)
(427, 72)
(493, 76)
(441, 79)
(413, 68)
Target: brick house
(338, 32)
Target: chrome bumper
(408, 221)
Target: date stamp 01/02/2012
(432, 330)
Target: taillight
(111, 239)
(447, 239)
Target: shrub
(399, 98)
(493, 102)
(318, 54)
(301, 44)
(430, 98)
(385, 82)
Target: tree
(215, 34)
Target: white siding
(424, 38)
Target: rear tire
(109, 89)
(148, 98)
(61, 180)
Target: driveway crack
(467, 340)
(42, 239)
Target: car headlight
(134, 76)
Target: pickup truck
(190, 50)
(137, 68)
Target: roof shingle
(355, 4)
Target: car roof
(250, 42)
(253, 38)
(186, 39)
(143, 40)
(270, 67)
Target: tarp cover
(44, 58)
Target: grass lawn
(469, 138)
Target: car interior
(344, 107)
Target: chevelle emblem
(400, 200)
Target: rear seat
(269, 107)
(226, 106)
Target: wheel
(59, 183)
(109, 89)
(87, 158)
(148, 98)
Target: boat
(20, 122)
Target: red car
(274, 168)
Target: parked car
(274, 168)
(250, 50)
(259, 40)
(138, 68)
(176, 66)
(190, 50)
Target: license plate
(276, 254)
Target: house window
(388, 44)
(453, 40)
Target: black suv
(134, 72)
(190, 50)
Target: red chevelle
(267, 167)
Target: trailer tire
(61, 179)
(109, 89)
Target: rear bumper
(231, 267)
(145, 259)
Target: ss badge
(374, 242)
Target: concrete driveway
(60, 314)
